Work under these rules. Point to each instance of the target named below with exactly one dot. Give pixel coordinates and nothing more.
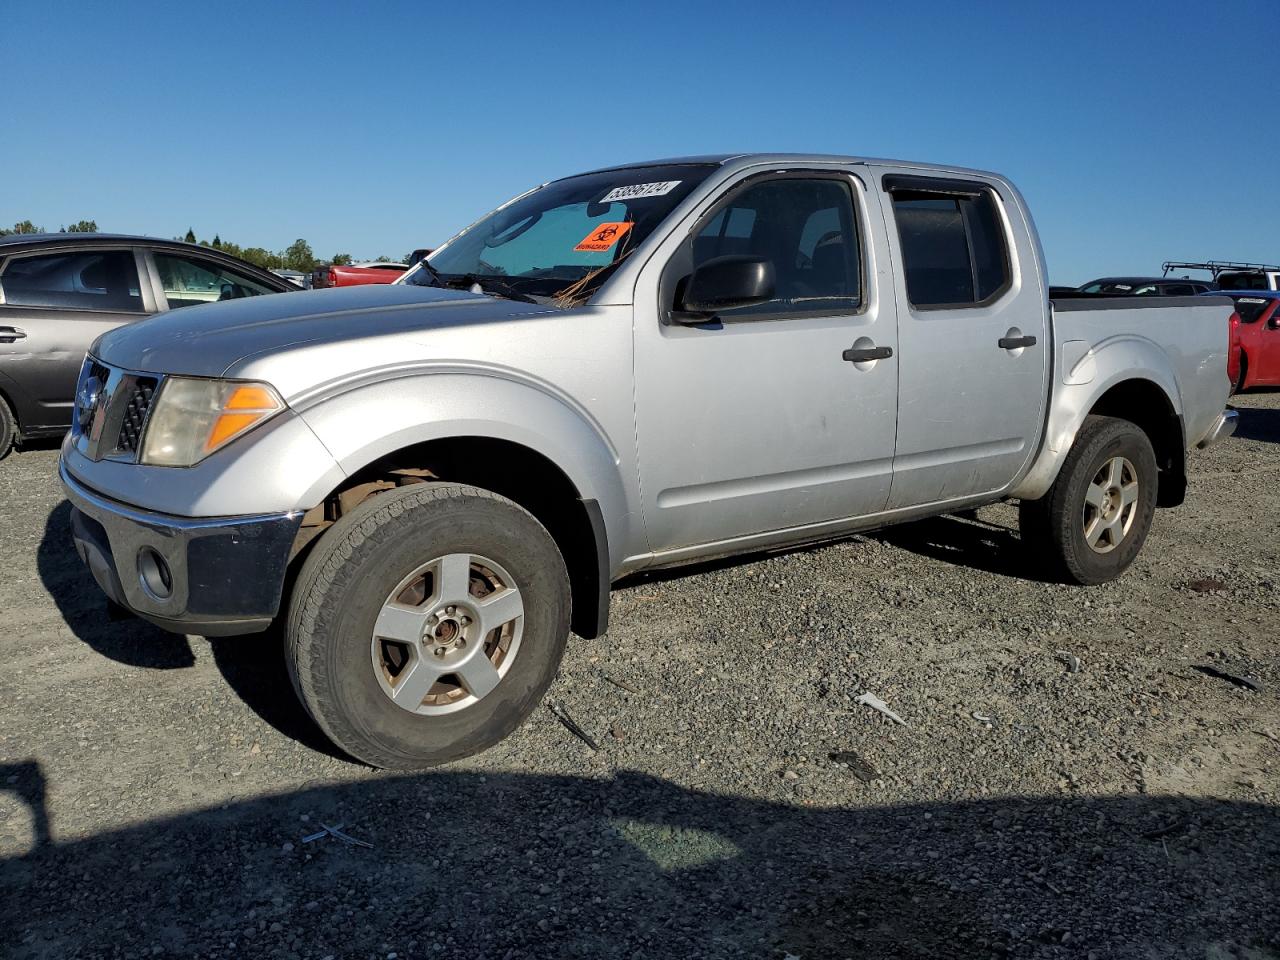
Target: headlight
(190, 419)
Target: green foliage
(191, 236)
(384, 260)
(298, 256)
(22, 226)
(82, 226)
(217, 242)
(341, 260)
(261, 258)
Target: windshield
(561, 241)
(1116, 287)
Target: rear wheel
(427, 623)
(1093, 521)
(8, 428)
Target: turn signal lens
(191, 418)
(248, 404)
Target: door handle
(11, 334)
(869, 353)
(1013, 343)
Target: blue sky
(1138, 131)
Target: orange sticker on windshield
(603, 237)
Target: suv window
(953, 246)
(1179, 290)
(190, 280)
(82, 280)
(806, 228)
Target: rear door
(973, 354)
(53, 304)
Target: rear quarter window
(103, 280)
(954, 249)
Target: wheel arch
(1146, 396)
(518, 442)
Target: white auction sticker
(638, 190)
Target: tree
(298, 256)
(83, 226)
(260, 257)
(384, 260)
(217, 242)
(22, 226)
(191, 236)
(341, 260)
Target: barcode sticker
(638, 190)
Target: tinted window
(953, 247)
(806, 229)
(1179, 290)
(191, 280)
(1251, 309)
(87, 280)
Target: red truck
(335, 275)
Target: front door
(973, 336)
(53, 306)
(760, 419)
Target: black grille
(134, 414)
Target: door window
(190, 280)
(807, 229)
(105, 280)
(954, 249)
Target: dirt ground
(1076, 777)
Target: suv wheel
(1096, 516)
(427, 624)
(8, 428)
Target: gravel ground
(155, 791)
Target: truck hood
(209, 340)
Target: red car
(357, 273)
(1254, 357)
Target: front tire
(1095, 518)
(427, 623)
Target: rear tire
(8, 428)
(423, 562)
(1095, 518)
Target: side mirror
(726, 282)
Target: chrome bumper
(212, 577)
(1223, 427)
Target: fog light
(154, 574)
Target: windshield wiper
(489, 285)
(437, 280)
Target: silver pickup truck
(431, 483)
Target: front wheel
(427, 624)
(1093, 521)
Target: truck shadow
(467, 864)
(964, 540)
(253, 666)
(1259, 423)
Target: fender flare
(1077, 389)
(426, 405)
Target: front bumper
(212, 577)
(1222, 428)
